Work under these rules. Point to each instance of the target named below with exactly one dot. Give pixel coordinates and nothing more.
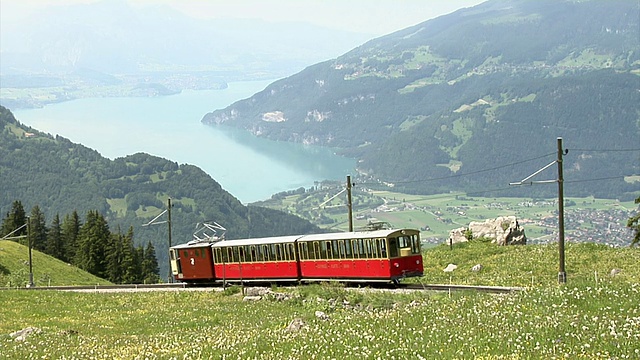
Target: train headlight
(396, 264)
(417, 262)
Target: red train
(364, 256)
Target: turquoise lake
(248, 167)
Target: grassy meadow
(590, 317)
(47, 270)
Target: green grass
(529, 265)
(47, 271)
(561, 322)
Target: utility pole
(169, 226)
(30, 284)
(349, 203)
(562, 275)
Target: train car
(367, 256)
(272, 259)
(192, 262)
(380, 255)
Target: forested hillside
(475, 100)
(61, 177)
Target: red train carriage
(192, 262)
(381, 255)
(262, 259)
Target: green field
(593, 316)
(47, 271)
(436, 215)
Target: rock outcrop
(504, 230)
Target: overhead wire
(465, 174)
(508, 165)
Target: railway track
(181, 286)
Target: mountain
(59, 177)
(109, 44)
(475, 100)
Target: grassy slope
(529, 265)
(581, 320)
(14, 268)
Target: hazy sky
(377, 17)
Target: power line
(606, 150)
(465, 174)
(597, 179)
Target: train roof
(257, 241)
(193, 244)
(354, 235)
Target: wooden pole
(169, 278)
(562, 275)
(349, 203)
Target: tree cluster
(91, 245)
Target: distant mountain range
(475, 100)
(65, 48)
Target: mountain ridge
(458, 84)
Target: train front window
(393, 247)
(415, 244)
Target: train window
(383, 248)
(360, 249)
(292, 252)
(241, 254)
(415, 244)
(341, 249)
(393, 247)
(329, 250)
(367, 248)
(172, 254)
(278, 252)
(403, 242)
(376, 248)
(303, 250)
(315, 251)
(348, 251)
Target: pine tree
(38, 229)
(131, 263)
(115, 257)
(92, 242)
(70, 231)
(14, 219)
(55, 244)
(150, 269)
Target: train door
(175, 263)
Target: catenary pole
(349, 203)
(169, 279)
(562, 275)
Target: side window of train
(240, 254)
(303, 251)
(317, 248)
(367, 249)
(348, 251)
(383, 248)
(360, 249)
(393, 247)
(329, 250)
(292, 252)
